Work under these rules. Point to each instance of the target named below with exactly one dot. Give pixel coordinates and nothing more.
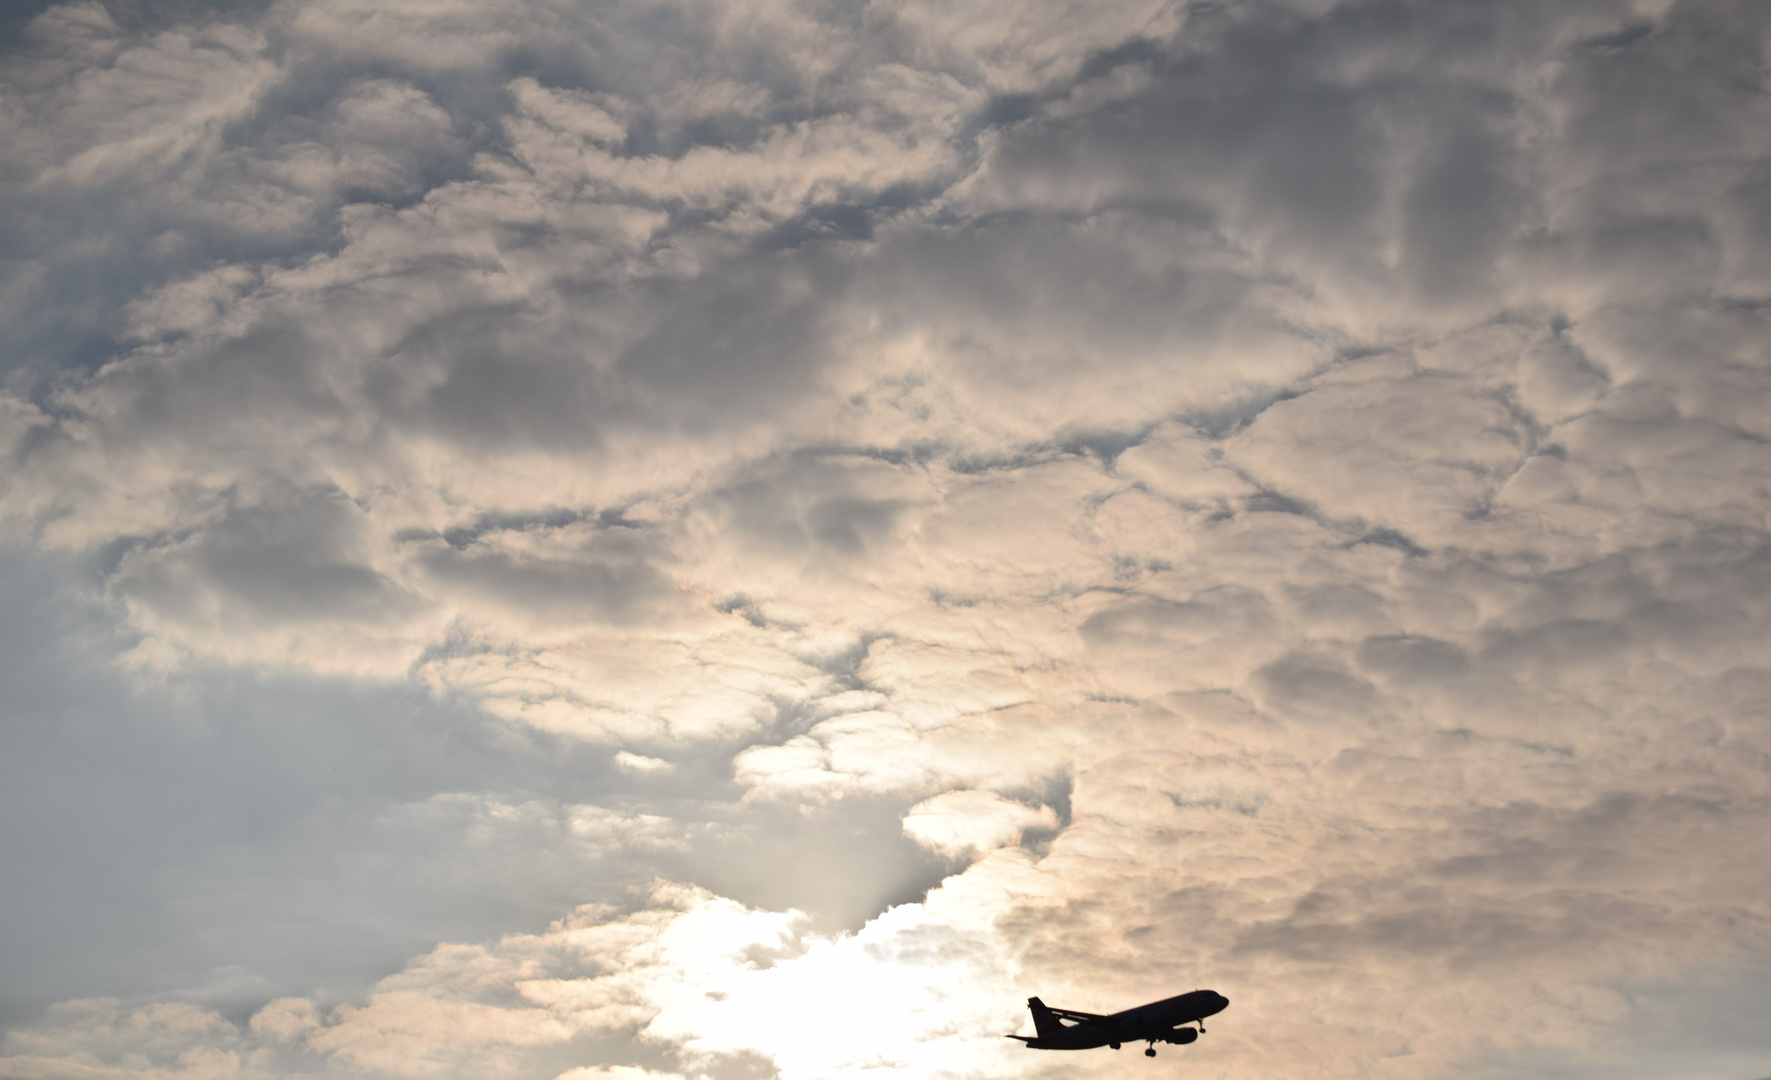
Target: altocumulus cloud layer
(741, 539)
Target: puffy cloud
(640, 763)
(968, 822)
(1280, 489)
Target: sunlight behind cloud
(878, 511)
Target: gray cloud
(290, 561)
(1271, 494)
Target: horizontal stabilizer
(1079, 1017)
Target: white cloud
(614, 1072)
(1304, 463)
(973, 822)
(641, 764)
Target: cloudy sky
(740, 539)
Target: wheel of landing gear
(1150, 1052)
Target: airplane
(1159, 1021)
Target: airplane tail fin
(1043, 1020)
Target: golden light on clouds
(710, 540)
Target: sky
(741, 539)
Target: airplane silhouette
(1159, 1021)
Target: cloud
(639, 763)
(971, 822)
(612, 1072)
(1278, 490)
(720, 981)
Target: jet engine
(1182, 1036)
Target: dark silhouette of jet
(1159, 1021)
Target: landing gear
(1151, 1052)
(1114, 1045)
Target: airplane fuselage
(1159, 1021)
